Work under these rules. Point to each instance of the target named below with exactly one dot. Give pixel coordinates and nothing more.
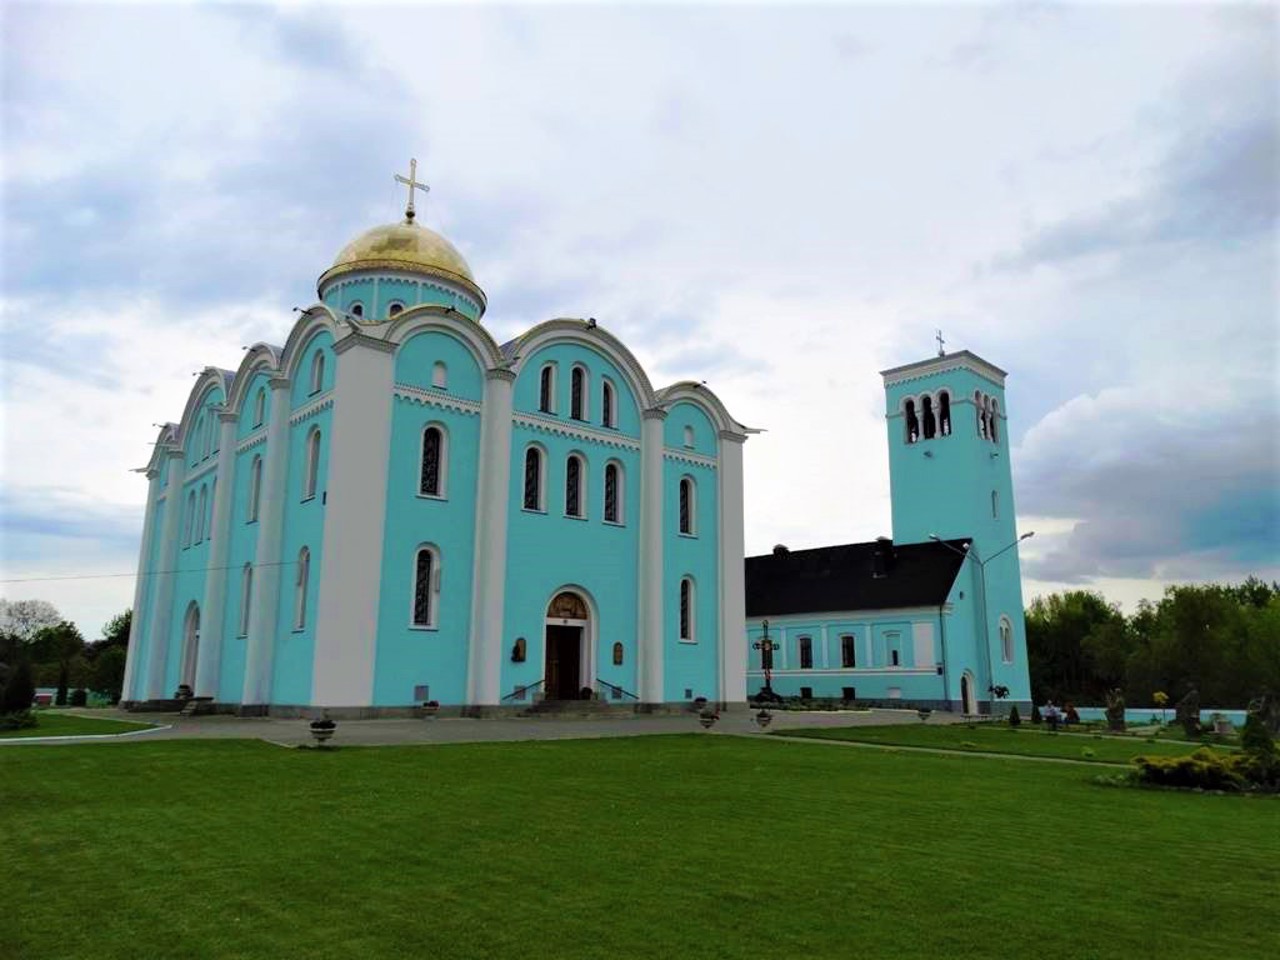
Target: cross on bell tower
(413, 183)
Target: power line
(149, 573)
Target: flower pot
(321, 734)
(764, 718)
(707, 720)
(924, 714)
(429, 710)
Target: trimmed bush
(18, 721)
(1014, 718)
(1035, 715)
(1202, 770)
(19, 691)
(79, 697)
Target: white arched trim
(302, 578)
(261, 358)
(310, 323)
(311, 478)
(1006, 638)
(596, 339)
(431, 316)
(211, 380)
(711, 405)
(588, 657)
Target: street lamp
(970, 551)
(766, 648)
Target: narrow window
(195, 443)
(848, 651)
(191, 519)
(688, 437)
(260, 407)
(255, 488)
(995, 505)
(317, 372)
(995, 416)
(357, 309)
(686, 610)
(213, 496)
(687, 496)
(313, 465)
(429, 480)
(300, 594)
(980, 414)
(893, 655)
(806, 653)
(1006, 640)
(578, 393)
(547, 389)
(246, 598)
(573, 487)
(611, 514)
(395, 309)
(423, 608)
(606, 404)
(440, 375)
(806, 693)
(617, 654)
(930, 424)
(200, 514)
(913, 423)
(944, 413)
(533, 479)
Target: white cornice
(687, 456)
(577, 431)
(961, 360)
(309, 410)
(804, 619)
(255, 439)
(436, 398)
(930, 671)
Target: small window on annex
(806, 653)
(848, 651)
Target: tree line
(35, 638)
(1222, 640)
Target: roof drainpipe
(942, 633)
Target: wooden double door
(564, 663)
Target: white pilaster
(213, 608)
(652, 639)
(160, 618)
(139, 615)
(488, 582)
(733, 591)
(266, 571)
(355, 519)
(826, 653)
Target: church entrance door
(564, 656)
(190, 646)
(567, 643)
(968, 703)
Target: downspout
(942, 632)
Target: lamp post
(971, 552)
(766, 648)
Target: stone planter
(924, 713)
(429, 710)
(764, 718)
(322, 734)
(708, 720)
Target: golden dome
(404, 246)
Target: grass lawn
(700, 845)
(67, 725)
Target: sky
(781, 201)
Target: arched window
(547, 389)
(688, 506)
(260, 407)
(578, 393)
(191, 519)
(980, 414)
(255, 488)
(201, 511)
(606, 404)
(300, 591)
(686, 610)
(213, 496)
(688, 437)
(317, 371)
(995, 505)
(439, 375)
(806, 653)
(573, 499)
(357, 309)
(930, 424)
(912, 422)
(395, 309)
(1006, 639)
(431, 478)
(426, 586)
(246, 598)
(612, 493)
(533, 479)
(944, 413)
(194, 442)
(848, 651)
(995, 416)
(618, 653)
(313, 465)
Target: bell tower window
(944, 413)
(930, 423)
(913, 422)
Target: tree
(116, 631)
(19, 691)
(20, 621)
(60, 644)
(107, 673)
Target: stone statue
(1115, 710)
(1187, 713)
(1267, 707)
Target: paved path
(457, 730)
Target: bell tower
(950, 478)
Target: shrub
(1035, 715)
(1014, 718)
(20, 720)
(1204, 770)
(79, 697)
(1088, 753)
(19, 691)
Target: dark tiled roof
(829, 579)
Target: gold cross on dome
(412, 182)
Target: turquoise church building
(393, 508)
(932, 616)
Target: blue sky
(779, 201)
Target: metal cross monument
(766, 648)
(412, 182)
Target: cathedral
(393, 508)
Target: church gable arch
(705, 400)
(313, 368)
(209, 391)
(435, 358)
(600, 351)
(689, 421)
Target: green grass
(1023, 741)
(67, 725)
(702, 845)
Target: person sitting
(1069, 715)
(1052, 716)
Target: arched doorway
(190, 645)
(968, 702)
(568, 647)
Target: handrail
(519, 693)
(615, 688)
